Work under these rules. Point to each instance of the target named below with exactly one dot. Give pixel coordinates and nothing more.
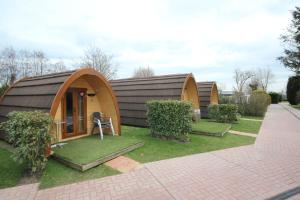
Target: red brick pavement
(267, 168)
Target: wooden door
(74, 108)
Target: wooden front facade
(70, 98)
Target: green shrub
(223, 112)
(170, 119)
(258, 103)
(3, 88)
(297, 97)
(213, 111)
(29, 133)
(275, 97)
(292, 87)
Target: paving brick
(269, 167)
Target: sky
(207, 38)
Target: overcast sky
(208, 38)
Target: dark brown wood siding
(205, 90)
(133, 93)
(29, 94)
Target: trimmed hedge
(170, 119)
(223, 112)
(292, 88)
(275, 97)
(29, 133)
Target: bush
(297, 98)
(3, 88)
(223, 112)
(29, 133)
(292, 87)
(275, 97)
(170, 119)
(258, 103)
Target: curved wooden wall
(45, 93)
(208, 94)
(133, 93)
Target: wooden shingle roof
(34, 93)
(207, 91)
(133, 93)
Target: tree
(95, 58)
(264, 76)
(291, 39)
(8, 66)
(39, 62)
(241, 78)
(143, 72)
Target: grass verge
(253, 117)
(57, 174)
(246, 126)
(10, 171)
(207, 127)
(297, 106)
(156, 149)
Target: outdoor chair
(102, 122)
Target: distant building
(227, 93)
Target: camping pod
(69, 97)
(208, 94)
(133, 93)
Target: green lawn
(10, 171)
(157, 149)
(58, 174)
(246, 126)
(253, 117)
(91, 148)
(208, 127)
(297, 106)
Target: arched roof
(45, 92)
(133, 93)
(208, 93)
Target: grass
(156, 149)
(10, 171)
(91, 148)
(246, 126)
(253, 117)
(57, 174)
(297, 106)
(210, 128)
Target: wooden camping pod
(47, 93)
(208, 91)
(133, 93)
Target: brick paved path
(267, 168)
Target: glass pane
(69, 112)
(80, 97)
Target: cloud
(171, 36)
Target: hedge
(292, 88)
(223, 112)
(170, 119)
(29, 133)
(275, 97)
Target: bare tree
(264, 77)
(39, 62)
(241, 78)
(8, 66)
(57, 67)
(143, 72)
(95, 58)
(24, 63)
